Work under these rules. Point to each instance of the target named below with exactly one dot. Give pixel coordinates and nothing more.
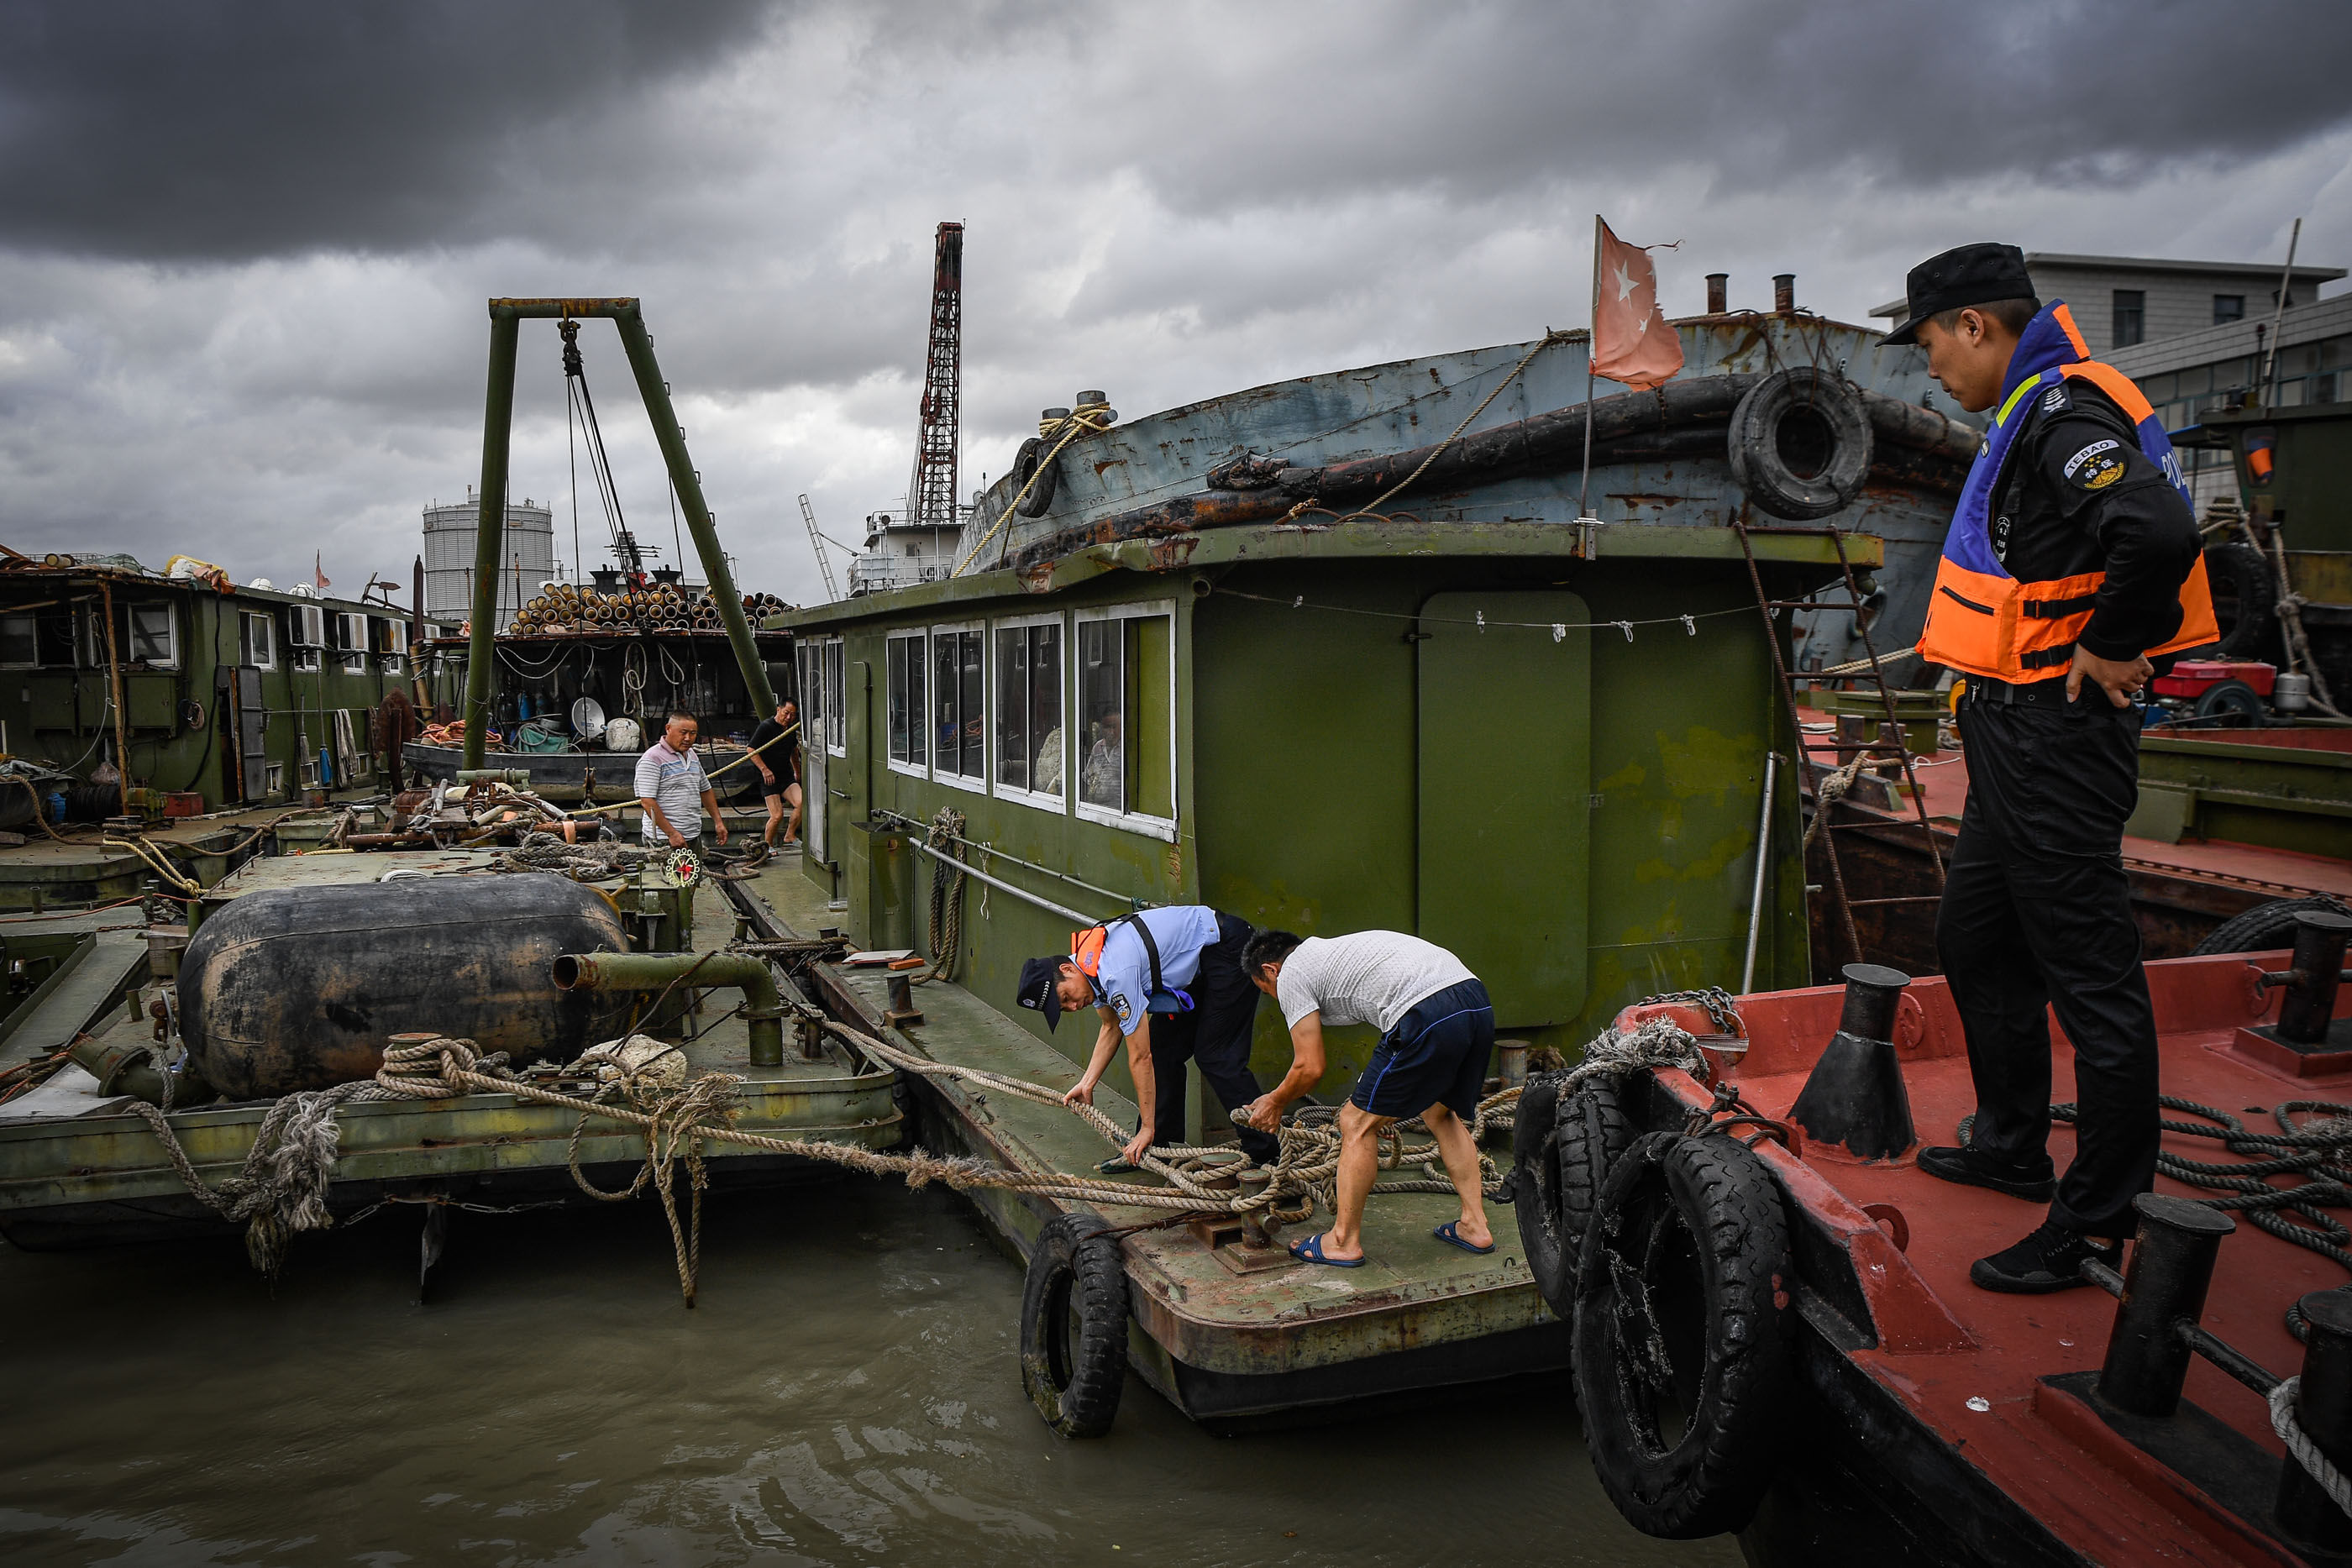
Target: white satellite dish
(587, 719)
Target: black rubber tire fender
(2240, 577)
(2263, 927)
(1563, 1149)
(1074, 1313)
(1024, 464)
(1690, 1249)
(1797, 412)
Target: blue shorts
(1437, 1052)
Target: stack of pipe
(562, 607)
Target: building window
(958, 706)
(2131, 317)
(20, 643)
(257, 641)
(910, 746)
(152, 639)
(835, 706)
(813, 721)
(2229, 307)
(1029, 738)
(2322, 388)
(1126, 718)
(273, 778)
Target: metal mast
(931, 491)
(816, 545)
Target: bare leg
(1360, 1163)
(792, 829)
(1460, 1151)
(775, 815)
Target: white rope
(2333, 1481)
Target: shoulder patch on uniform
(2056, 399)
(2088, 453)
(1118, 1004)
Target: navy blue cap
(1036, 989)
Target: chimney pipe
(1718, 293)
(1784, 292)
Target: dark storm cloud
(213, 128)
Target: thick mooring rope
(945, 932)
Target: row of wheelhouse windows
(1062, 713)
(73, 636)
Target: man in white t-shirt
(1437, 1034)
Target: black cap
(1037, 990)
(1966, 275)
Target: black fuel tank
(299, 988)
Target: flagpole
(1591, 345)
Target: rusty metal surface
(1154, 472)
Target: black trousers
(2037, 915)
(1217, 1034)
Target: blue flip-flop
(1310, 1250)
(1447, 1233)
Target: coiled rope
(946, 926)
(1061, 432)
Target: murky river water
(846, 1394)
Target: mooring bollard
(2164, 1289)
(2309, 1003)
(2323, 1407)
(1855, 1096)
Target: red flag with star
(1631, 340)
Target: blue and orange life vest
(1980, 619)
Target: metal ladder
(1876, 676)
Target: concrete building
(2123, 301)
(449, 533)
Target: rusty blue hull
(1167, 474)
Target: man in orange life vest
(2072, 568)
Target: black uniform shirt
(2079, 495)
(780, 751)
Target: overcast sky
(244, 247)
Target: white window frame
(1164, 828)
(171, 659)
(921, 641)
(1058, 804)
(352, 653)
(305, 627)
(817, 722)
(32, 619)
(964, 781)
(245, 621)
(307, 658)
(836, 698)
(273, 778)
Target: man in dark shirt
(2074, 558)
(776, 753)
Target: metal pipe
(2323, 1407)
(1718, 293)
(639, 346)
(907, 824)
(1022, 894)
(2278, 318)
(2172, 1265)
(2318, 967)
(1784, 292)
(489, 527)
(763, 1004)
(1763, 854)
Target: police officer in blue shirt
(1169, 982)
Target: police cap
(1966, 275)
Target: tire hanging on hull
(1074, 1326)
(1683, 1315)
(1562, 1149)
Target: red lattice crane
(931, 492)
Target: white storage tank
(528, 552)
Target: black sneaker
(2049, 1260)
(1971, 1168)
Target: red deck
(1943, 1342)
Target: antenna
(816, 545)
(931, 491)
